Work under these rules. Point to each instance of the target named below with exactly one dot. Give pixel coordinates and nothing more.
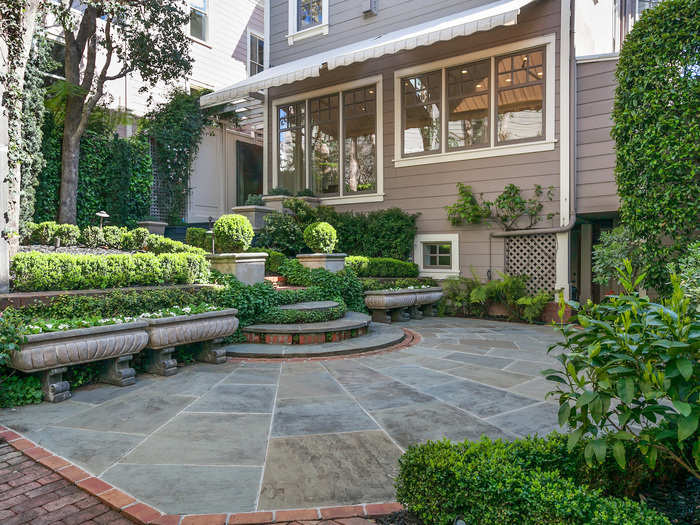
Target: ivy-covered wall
(115, 176)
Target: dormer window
(307, 18)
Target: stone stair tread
(310, 306)
(352, 320)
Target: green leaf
(563, 415)
(599, 447)
(683, 408)
(685, 367)
(625, 389)
(574, 438)
(687, 426)
(586, 398)
(588, 454)
(618, 450)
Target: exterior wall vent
(370, 7)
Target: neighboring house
(386, 103)
(227, 46)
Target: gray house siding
(256, 23)
(428, 189)
(347, 24)
(596, 191)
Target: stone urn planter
(274, 202)
(255, 214)
(426, 298)
(390, 305)
(168, 332)
(155, 227)
(333, 262)
(51, 353)
(248, 267)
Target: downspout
(568, 138)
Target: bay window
(329, 141)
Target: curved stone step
(312, 306)
(353, 324)
(378, 336)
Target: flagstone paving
(260, 435)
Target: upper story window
(256, 54)
(492, 102)
(199, 19)
(643, 5)
(307, 18)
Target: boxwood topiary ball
(320, 237)
(233, 233)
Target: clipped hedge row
(35, 271)
(528, 481)
(381, 267)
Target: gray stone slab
(356, 374)
(91, 450)
(186, 489)
(187, 383)
(389, 394)
(537, 389)
(237, 398)
(411, 424)
(471, 349)
(481, 360)
(253, 376)
(538, 419)
(351, 321)
(35, 417)
(99, 393)
(206, 439)
(319, 415)
(310, 384)
(301, 367)
(482, 400)
(532, 368)
(140, 412)
(328, 470)
(437, 364)
(490, 376)
(417, 376)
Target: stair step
(312, 306)
(353, 324)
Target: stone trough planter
(51, 353)
(333, 262)
(168, 332)
(248, 267)
(400, 305)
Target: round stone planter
(248, 267)
(168, 332)
(333, 262)
(52, 352)
(383, 302)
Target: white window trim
(546, 144)
(436, 273)
(207, 28)
(247, 58)
(339, 88)
(294, 35)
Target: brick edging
(144, 514)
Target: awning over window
(483, 18)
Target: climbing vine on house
(657, 133)
(175, 129)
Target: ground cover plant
(369, 284)
(381, 266)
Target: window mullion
(307, 152)
(492, 104)
(443, 111)
(341, 146)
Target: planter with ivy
(50, 353)
(233, 235)
(389, 306)
(322, 239)
(276, 197)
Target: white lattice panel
(534, 256)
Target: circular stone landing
(314, 306)
(379, 336)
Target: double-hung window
(494, 102)
(340, 154)
(199, 19)
(307, 18)
(256, 54)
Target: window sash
(255, 54)
(437, 255)
(301, 24)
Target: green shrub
(381, 267)
(306, 192)
(320, 237)
(282, 233)
(92, 237)
(28, 232)
(61, 271)
(68, 234)
(158, 244)
(507, 290)
(197, 237)
(279, 191)
(273, 261)
(18, 389)
(295, 273)
(233, 233)
(45, 233)
(135, 239)
(279, 316)
(614, 246)
(457, 297)
(532, 306)
(689, 273)
(113, 236)
(527, 481)
(409, 282)
(255, 199)
(631, 375)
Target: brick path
(31, 493)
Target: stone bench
(403, 304)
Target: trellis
(535, 256)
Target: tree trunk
(70, 162)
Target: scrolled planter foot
(118, 372)
(160, 361)
(380, 316)
(53, 386)
(399, 314)
(212, 352)
(415, 312)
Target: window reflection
(292, 172)
(421, 116)
(310, 13)
(325, 146)
(360, 140)
(468, 104)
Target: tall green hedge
(115, 176)
(657, 132)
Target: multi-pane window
(292, 137)
(360, 140)
(643, 5)
(256, 52)
(309, 13)
(342, 143)
(437, 255)
(325, 144)
(421, 95)
(520, 96)
(199, 19)
(468, 105)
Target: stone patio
(258, 435)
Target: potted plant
(276, 197)
(254, 210)
(322, 238)
(233, 235)
(153, 225)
